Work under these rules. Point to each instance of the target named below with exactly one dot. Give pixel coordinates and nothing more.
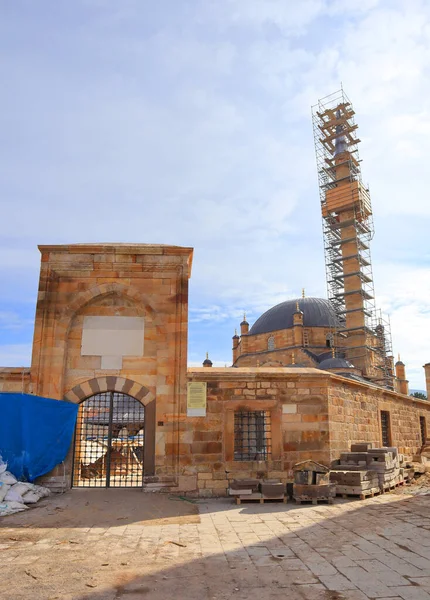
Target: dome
(335, 363)
(317, 312)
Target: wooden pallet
(313, 500)
(387, 487)
(362, 494)
(261, 499)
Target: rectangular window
(305, 337)
(252, 435)
(423, 430)
(385, 426)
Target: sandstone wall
(116, 280)
(355, 415)
(14, 379)
(297, 403)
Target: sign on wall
(112, 338)
(196, 399)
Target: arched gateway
(115, 434)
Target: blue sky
(188, 122)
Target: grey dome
(317, 312)
(335, 363)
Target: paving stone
(368, 585)
(410, 593)
(337, 582)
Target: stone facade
(14, 379)
(309, 413)
(313, 415)
(113, 280)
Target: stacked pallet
(386, 463)
(257, 490)
(366, 471)
(355, 483)
(312, 483)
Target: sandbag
(30, 497)
(41, 491)
(8, 478)
(3, 466)
(22, 487)
(13, 496)
(8, 508)
(4, 488)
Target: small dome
(317, 312)
(335, 363)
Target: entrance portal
(109, 442)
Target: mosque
(308, 378)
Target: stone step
(162, 483)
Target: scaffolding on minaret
(348, 229)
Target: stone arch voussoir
(98, 291)
(109, 383)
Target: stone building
(308, 378)
(111, 334)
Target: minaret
(402, 383)
(235, 346)
(348, 229)
(298, 325)
(244, 328)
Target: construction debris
(257, 490)
(312, 483)
(366, 471)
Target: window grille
(271, 343)
(423, 430)
(385, 426)
(252, 435)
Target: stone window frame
(306, 336)
(271, 343)
(275, 409)
(389, 428)
(423, 429)
(329, 340)
(252, 421)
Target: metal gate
(109, 442)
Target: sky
(189, 122)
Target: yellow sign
(196, 399)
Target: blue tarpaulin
(35, 433)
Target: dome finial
(235, 331)
(333, 352)
(293, 358)
(303, 293)
(244, 316)
(297, 306)
(398, 357)
(207, 362)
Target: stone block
(289, 408)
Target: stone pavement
(111, 544)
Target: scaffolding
(348, 230)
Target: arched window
(329, 340)
(271, 343)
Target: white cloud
(191, 125)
